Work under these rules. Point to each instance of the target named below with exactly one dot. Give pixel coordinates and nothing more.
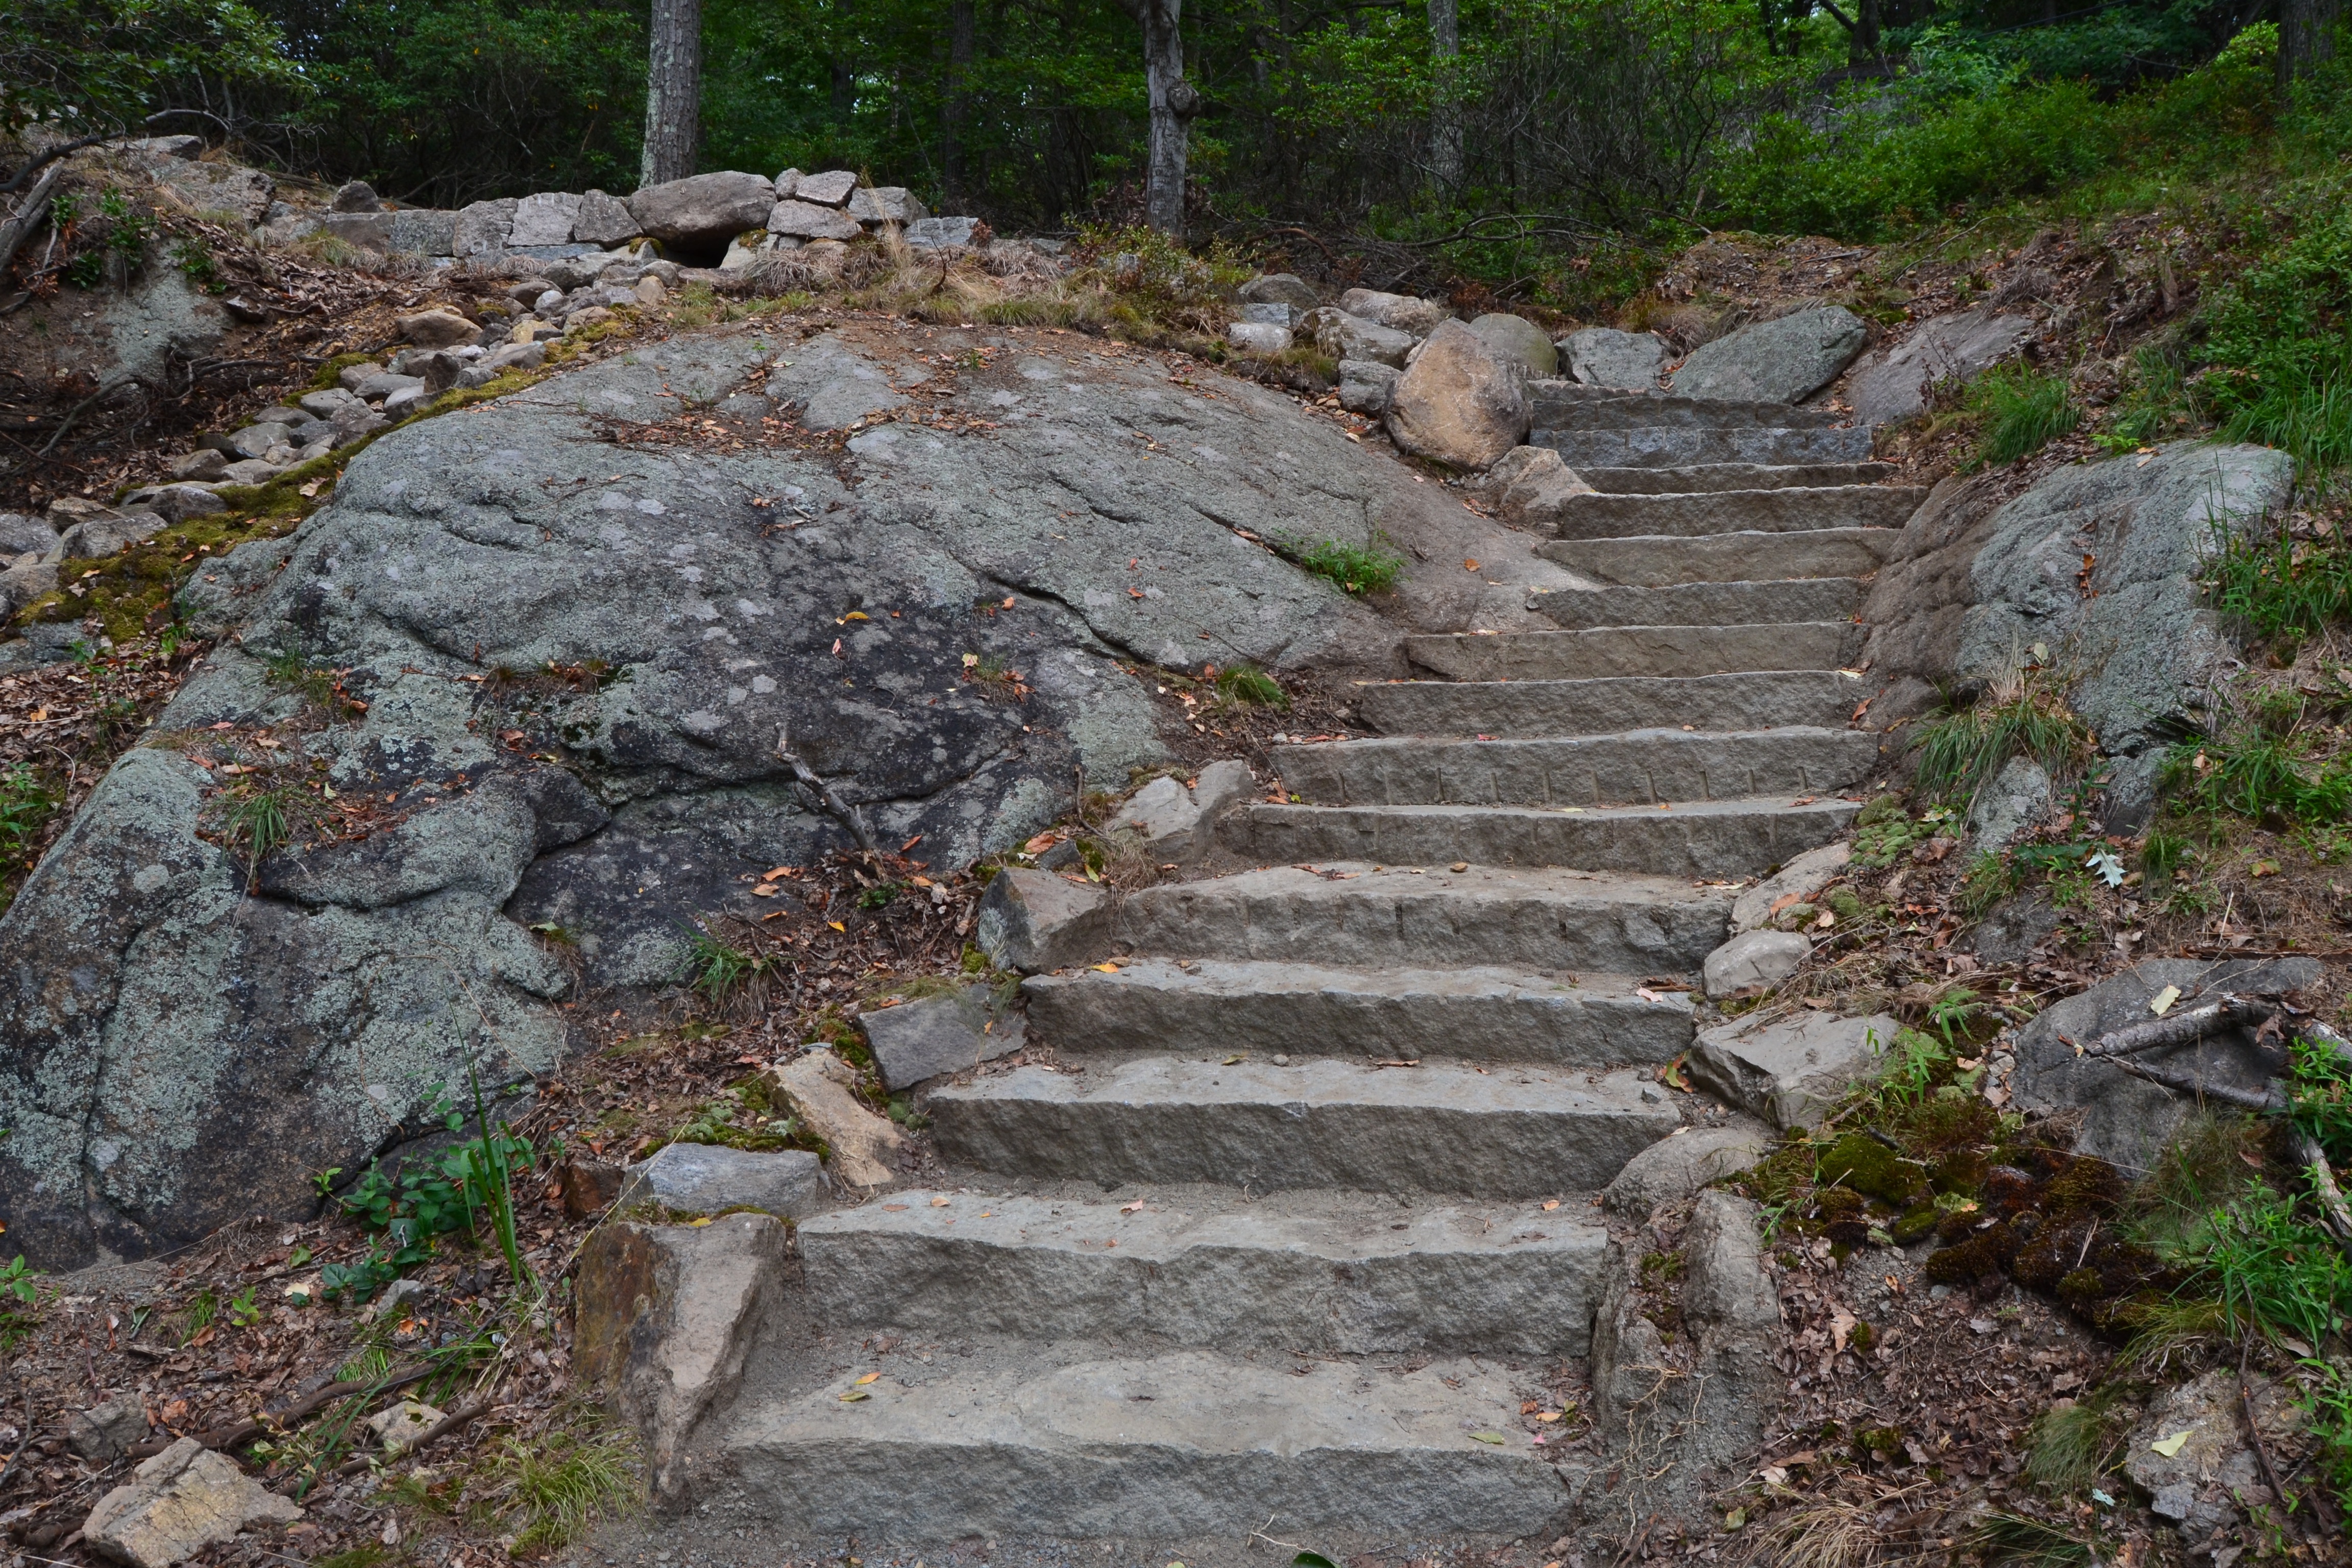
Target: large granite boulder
(1781, 360)
(1459, 403)
(579, 658)
(699, 214)
(2097, 565)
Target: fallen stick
(255, 1426)
(840, 808)
(2182, 1028)
(439, 1429)
(2185, 1083)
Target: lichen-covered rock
(1345, 337)
(1604, 356)
(1517, 338)
(1789, 1073)
(1781, 360)
(818, 1086)
(1531, 487)
(1403, 312)
(1036, 921)
(1459, 403)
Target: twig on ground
(256, 1426)
(2183, 1028)
(2189, 1083)
(846, 813)
(458, 1417)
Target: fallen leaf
(1469, 566)
(1130, 1208)
(1107, 968)
(869, 1377)
(839, 927)
(1549, 1204)
(938, 1203)
(857, 615)
(2266, 867)
(1495, 1437)
(697, 1222)
(764, 891)
(2163, 1000)
(1842, 1325)
(2170, 1446)
(853, 1396)
(1234, 1060)
(894, 1208)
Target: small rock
(252, 471)
(1806, 875)
(100, 536)
(936, 1035)
(1176, 822)
(2016, 800)
(356, 196)
(942, 232)
(1253, 337)
(1402, 312)
(1458, 403)
(255, 441)
(816, 1086)
(787, 183)
(807, 220)
(203, 463)
(545, 217)
(888, 203)
(176, 503)
(1366, 386)
(179, 1502)
(22, 535)
(829, 189)
(1531, 487)
(649, 291)
(1893, 386)
(1603, 356)
(1519, 339)
(1788, 1073)
(707, 1178)
(590, 1186)
(1345, 337)
(1779, 360)
(664, 1316)
(1672, 1169)
(1279, 288)
(399, 1428)
(353, 377)
(1754, 958)
(1033, 920)
(25, 581)
(353, 421)
(602, 220)
(1276, 314)
(437, 329)
(102, 1434)
(406, 401)
(322, 404)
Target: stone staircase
(1302, 1216)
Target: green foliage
(107, 64)
(243, 1312)
(27, 803)
(1911, 1063)
(2278, 336)
(1987, 880)
(2281, 589)
(256, 818)
(1962, 750)
(20, 1282)
(2068, 1450)
(1246, 684)
(2273, 1274)
(725, 975)
(1356, 569)
(2263, 774)
(2319, 1092)
(2024, 412)
(468, 1186)
(881, 895)
(549, 1492)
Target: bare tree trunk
(1174, 101)
(2307, 36)
(673, 91)
(958, 105)
(1444, 115)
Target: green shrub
(2278, 337)
(1960, 750)
(2024, 412)
(2281, 589)
(1356, 569)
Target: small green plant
(469, 1185)
(1988, 879)
(21, 1282)
(2263, 774)
(314, 684)
(1357, 569)
(1884, 831)
(2319, 1096)
(1956, 1012)
(728, 975)
(2162, 855)
(881, 895)
(203, 1307)
(242, 1312)
(257, 819)
(1246, 684)
(1911, 1062)
(2024, 412)
(196, 265)
(1964, 748)
(2281, 589)
(27, 804)
(2155, 405)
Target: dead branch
(2189, 1083)
(259, 1426)
(416, 1445)
(2183, 1028)
(842, 810)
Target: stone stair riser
(1709, 512)
(1645, 411)
(1249, 1284)
(1473, 1015)
(1667, 447)
(1821, 699)
(1601, 652)
(1699, 841)
(1640, 768)
(1703, 605)
(1662, 562)
(1733, 477)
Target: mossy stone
(1869, 1167)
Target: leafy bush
(2278, 338)
(1356, 569)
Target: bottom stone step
(1332, 1274)
(1173, 1445)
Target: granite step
(1663, 561)
(1733, 477)
(1488, 1014)
(1326, 1273)
(1419, 913)
(1528, 709)
(1675, 446)
(1641, 767)
(1556, 405)
(1103, 1442)
(1705, 604)
(1705, 839)
(1517, 1131)
(1596, 652)
(1701, 513)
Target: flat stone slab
(1343, 1275)
(1642, 767)
(710, 1178)
(1658, 560)
(1755, 958)
(1601, 652)
(1701, 477)
(1702, 604)
(1781, 360)
(1518, 1132)
(1789, 1073)
(936, 1035)
(1535, 918)
(1567, 404)
(1612, 704)
(1486, 1015)
(1169, 1447)
(1706, 838)
(177, 1503)
(1778, 510)
(1684, 446)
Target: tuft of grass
(2282, 590)
(1356, 569)
(2024, 412)
(258, 821)
(2014, 1538)
(726, 975)
(1960, 750)
(26, 801)
(550, 1492)
(1247, 685)
(2068, 1450)
(2263, 774)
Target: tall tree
(957, 107)
(673, 91)
(1444, 113)
(1174, 101)
(2307, 36)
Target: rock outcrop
(1783, 359)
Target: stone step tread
(1610, 705)
(1702, 605)
(1420, 913)
(1732, 476)
(1706, 513)
(1646, 561)
(1187, 1444)
(1487, 1014)
(1580, 409)
(1509, 1131)
(1663, 446)
(1590, 652)
(1339, 1273)
(1640, 766)
(1700, 839)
